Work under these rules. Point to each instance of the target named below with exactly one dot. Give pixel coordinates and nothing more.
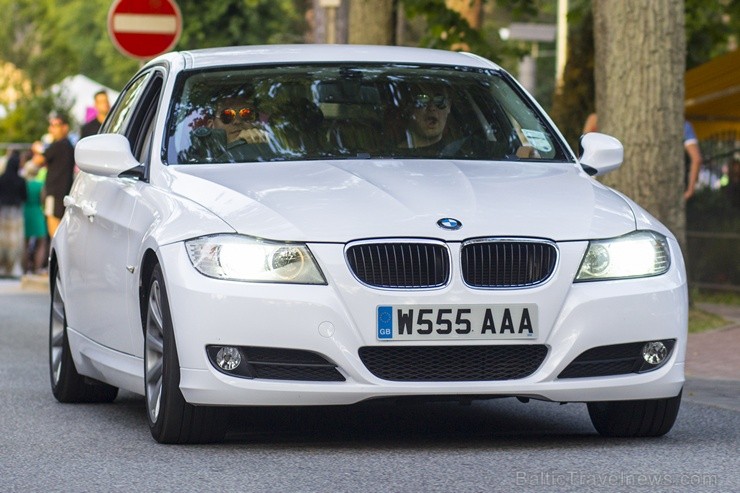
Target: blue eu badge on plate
(385, 322)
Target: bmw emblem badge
(449, 223)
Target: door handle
(89, 209)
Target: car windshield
(306, 112)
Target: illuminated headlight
(638, 254)
(242, 258)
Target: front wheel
(643, 418)
(171, 419)
(66, 384)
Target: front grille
(617, 359)
(280, 364)
(400, 265)
(452, 363)
(507, 264)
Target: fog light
(654, 352)
(228, 358)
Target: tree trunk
(639, 73)
(371, 22)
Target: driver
(427, 117)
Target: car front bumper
(337, 319)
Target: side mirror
(105, 155)
(600, 153)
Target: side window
(141, 128)
(117, 121)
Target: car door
(108, 207)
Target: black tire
(645, 418)
(66, 384)
(171, 419)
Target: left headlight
(242, 258)
(638, 254)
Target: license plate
(430, 322)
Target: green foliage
(702, 320)
(51, 39)
(241, 22)
(28, 121)
(96, 56)
(446, 29)
(523, 9)
(706, 32)
(716, 297)
(30, 40)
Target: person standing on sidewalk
(37, 248)
(102, 106)
(12, 197)
(692, 159)
(59, 158)
(692, 153)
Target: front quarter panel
(162, 218)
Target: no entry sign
(144, 29)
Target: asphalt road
(498, 445)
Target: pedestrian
(12, 197)
(102, 106)
(692, 158)
(591, 125)
(59, 158)
(692, 152)
(36, 251)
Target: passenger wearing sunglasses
(239, 119)
(427, 118)
(233, 133)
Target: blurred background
(55, 54)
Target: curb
(35, 283)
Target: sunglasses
(245, 114)
(424, 100)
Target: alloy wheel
(154, 347)
(56, 330)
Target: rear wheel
(644, 418)
(66, 384)
(171, 419)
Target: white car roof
(312, 53)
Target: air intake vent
(400, 265)
(452, 363)
(507, 263)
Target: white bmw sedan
(321, 225)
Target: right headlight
(243, 258)
(637, 254)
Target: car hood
(340, 201)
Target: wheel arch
(148, 261)
(52, 268)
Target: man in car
(427, 118)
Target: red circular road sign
(144, 29)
